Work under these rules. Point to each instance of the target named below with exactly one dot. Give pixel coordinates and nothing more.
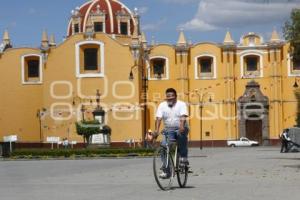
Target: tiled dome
(109, 10)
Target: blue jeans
(181, 138)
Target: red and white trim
(111, 7)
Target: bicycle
(166, 160)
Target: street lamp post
(200, 101)
(137, 54)
(98, 98)
(40, 113)
(82, 109)
(201, 137)
(140, 56)
(144, 90)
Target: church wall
(19, 103)
(229, 85)
(65, 88)
(115, 89)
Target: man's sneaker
(164, 175)
(184, 161)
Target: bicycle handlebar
(164, 132)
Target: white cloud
(154, 26)
(216, 14)
(196, 24)
(143, 10)
(180, 1)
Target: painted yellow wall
(19, 103)
(227, 87)
(60, 78)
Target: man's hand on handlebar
(155, 134)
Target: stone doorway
(253, 112)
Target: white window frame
(103, 26)
(289, 66)
(101, 54)
(128, 26)
(197, 75)
(40, 81)
(261, 64)
(149, 68)
(73, 27)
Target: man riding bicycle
(174, 112)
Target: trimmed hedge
(89, 128)
(105, 152)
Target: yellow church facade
(232, 89)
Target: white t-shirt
(285, 136)
(171, 115)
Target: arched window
(159, 68)
(293, 66)
(123, 20)
(251, 64)
(76, 21)
(205, 64)
(76, 27)
(97, 20)
(296, 64)
(205, 67)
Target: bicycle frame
(168, 156)
(168, 145)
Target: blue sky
(202, 20)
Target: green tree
(291, 32)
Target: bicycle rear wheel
(163, 164)
(182, 172)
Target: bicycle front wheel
(182, 172)
(163, 168)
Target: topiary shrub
(87, 128)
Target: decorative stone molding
(254, 103)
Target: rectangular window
(91, 59)
(205, 65)
(158, 66)
(76, 28)
(296, 63)
(252, 63)
(33, 68)
(124, 28)
(98, 26)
